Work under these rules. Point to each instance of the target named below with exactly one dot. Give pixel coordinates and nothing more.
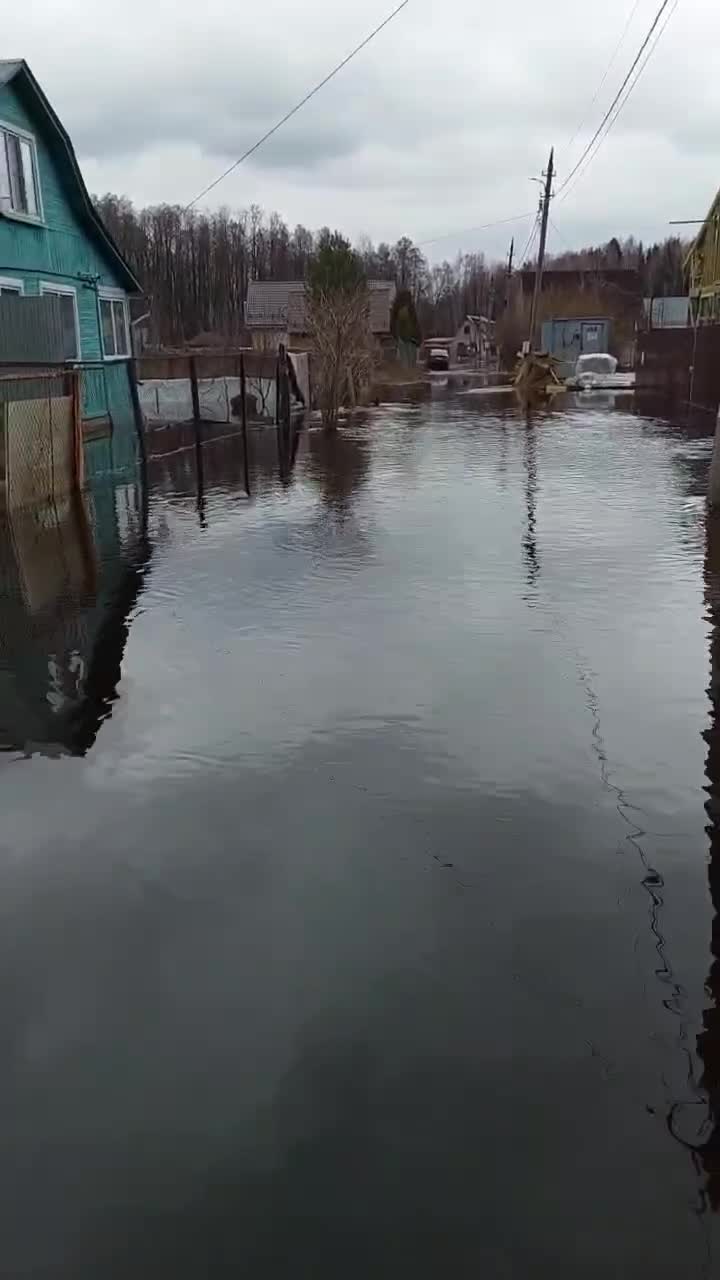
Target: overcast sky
(436, 127)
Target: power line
(608, 69)
(466, 231)
(530, 240)
(618, 95)
(567, 189)
(256, 146)
(561, 237)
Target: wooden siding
(703, 265)
(63, 245)
(63, 251)
(60, 251)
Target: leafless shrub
(339, 323)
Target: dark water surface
(358, 897)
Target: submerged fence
(680, 364)
(208, 388)
(41, 455)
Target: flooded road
(358, 897)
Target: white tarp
(170, 400)
(595, 364)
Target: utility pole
(544, 215)
(508, 270)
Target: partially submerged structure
(703, 268)
(64, 285)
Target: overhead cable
(606, 73)
(618, 95)
(466, 231)
(288, 116)
(568, 186)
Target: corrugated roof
(268, 302)
(281, 304)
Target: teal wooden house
(52, 241)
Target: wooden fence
(682, 365)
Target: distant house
(475, 337)
(54, 246)
(276, 311)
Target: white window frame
(37, 219)
(12, 282)
(49, 286)
(106, 294)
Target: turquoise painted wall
(62, 251)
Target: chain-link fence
(40, 436)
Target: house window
(115, 327)
(19, 185)
(69, 320)
(10, 285)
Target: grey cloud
(439, 123)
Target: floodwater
(359, 900)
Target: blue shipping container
(566, 339)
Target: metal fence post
(194, 391)
(79, 452)
(243, 418)
(277, 389)
(137, 410)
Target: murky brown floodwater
(355, 916)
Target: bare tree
(339, 323)
(196, 267)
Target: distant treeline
(660, 265)
(196, 266)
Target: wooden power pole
(544, 215)
(508, 273)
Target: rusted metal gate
(41, 455)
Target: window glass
(68, 323)
(115, 335)
(121, 336)
(18, 175)
(108, 333)
(28, 172)
(17, 186)
(4, 173)
(69, 330)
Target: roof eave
(131, 281)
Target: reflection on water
(71, 574)
(530, 546)
(363, 927)
(708, 1041)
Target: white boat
(598, 372)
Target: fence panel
(40, 441)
